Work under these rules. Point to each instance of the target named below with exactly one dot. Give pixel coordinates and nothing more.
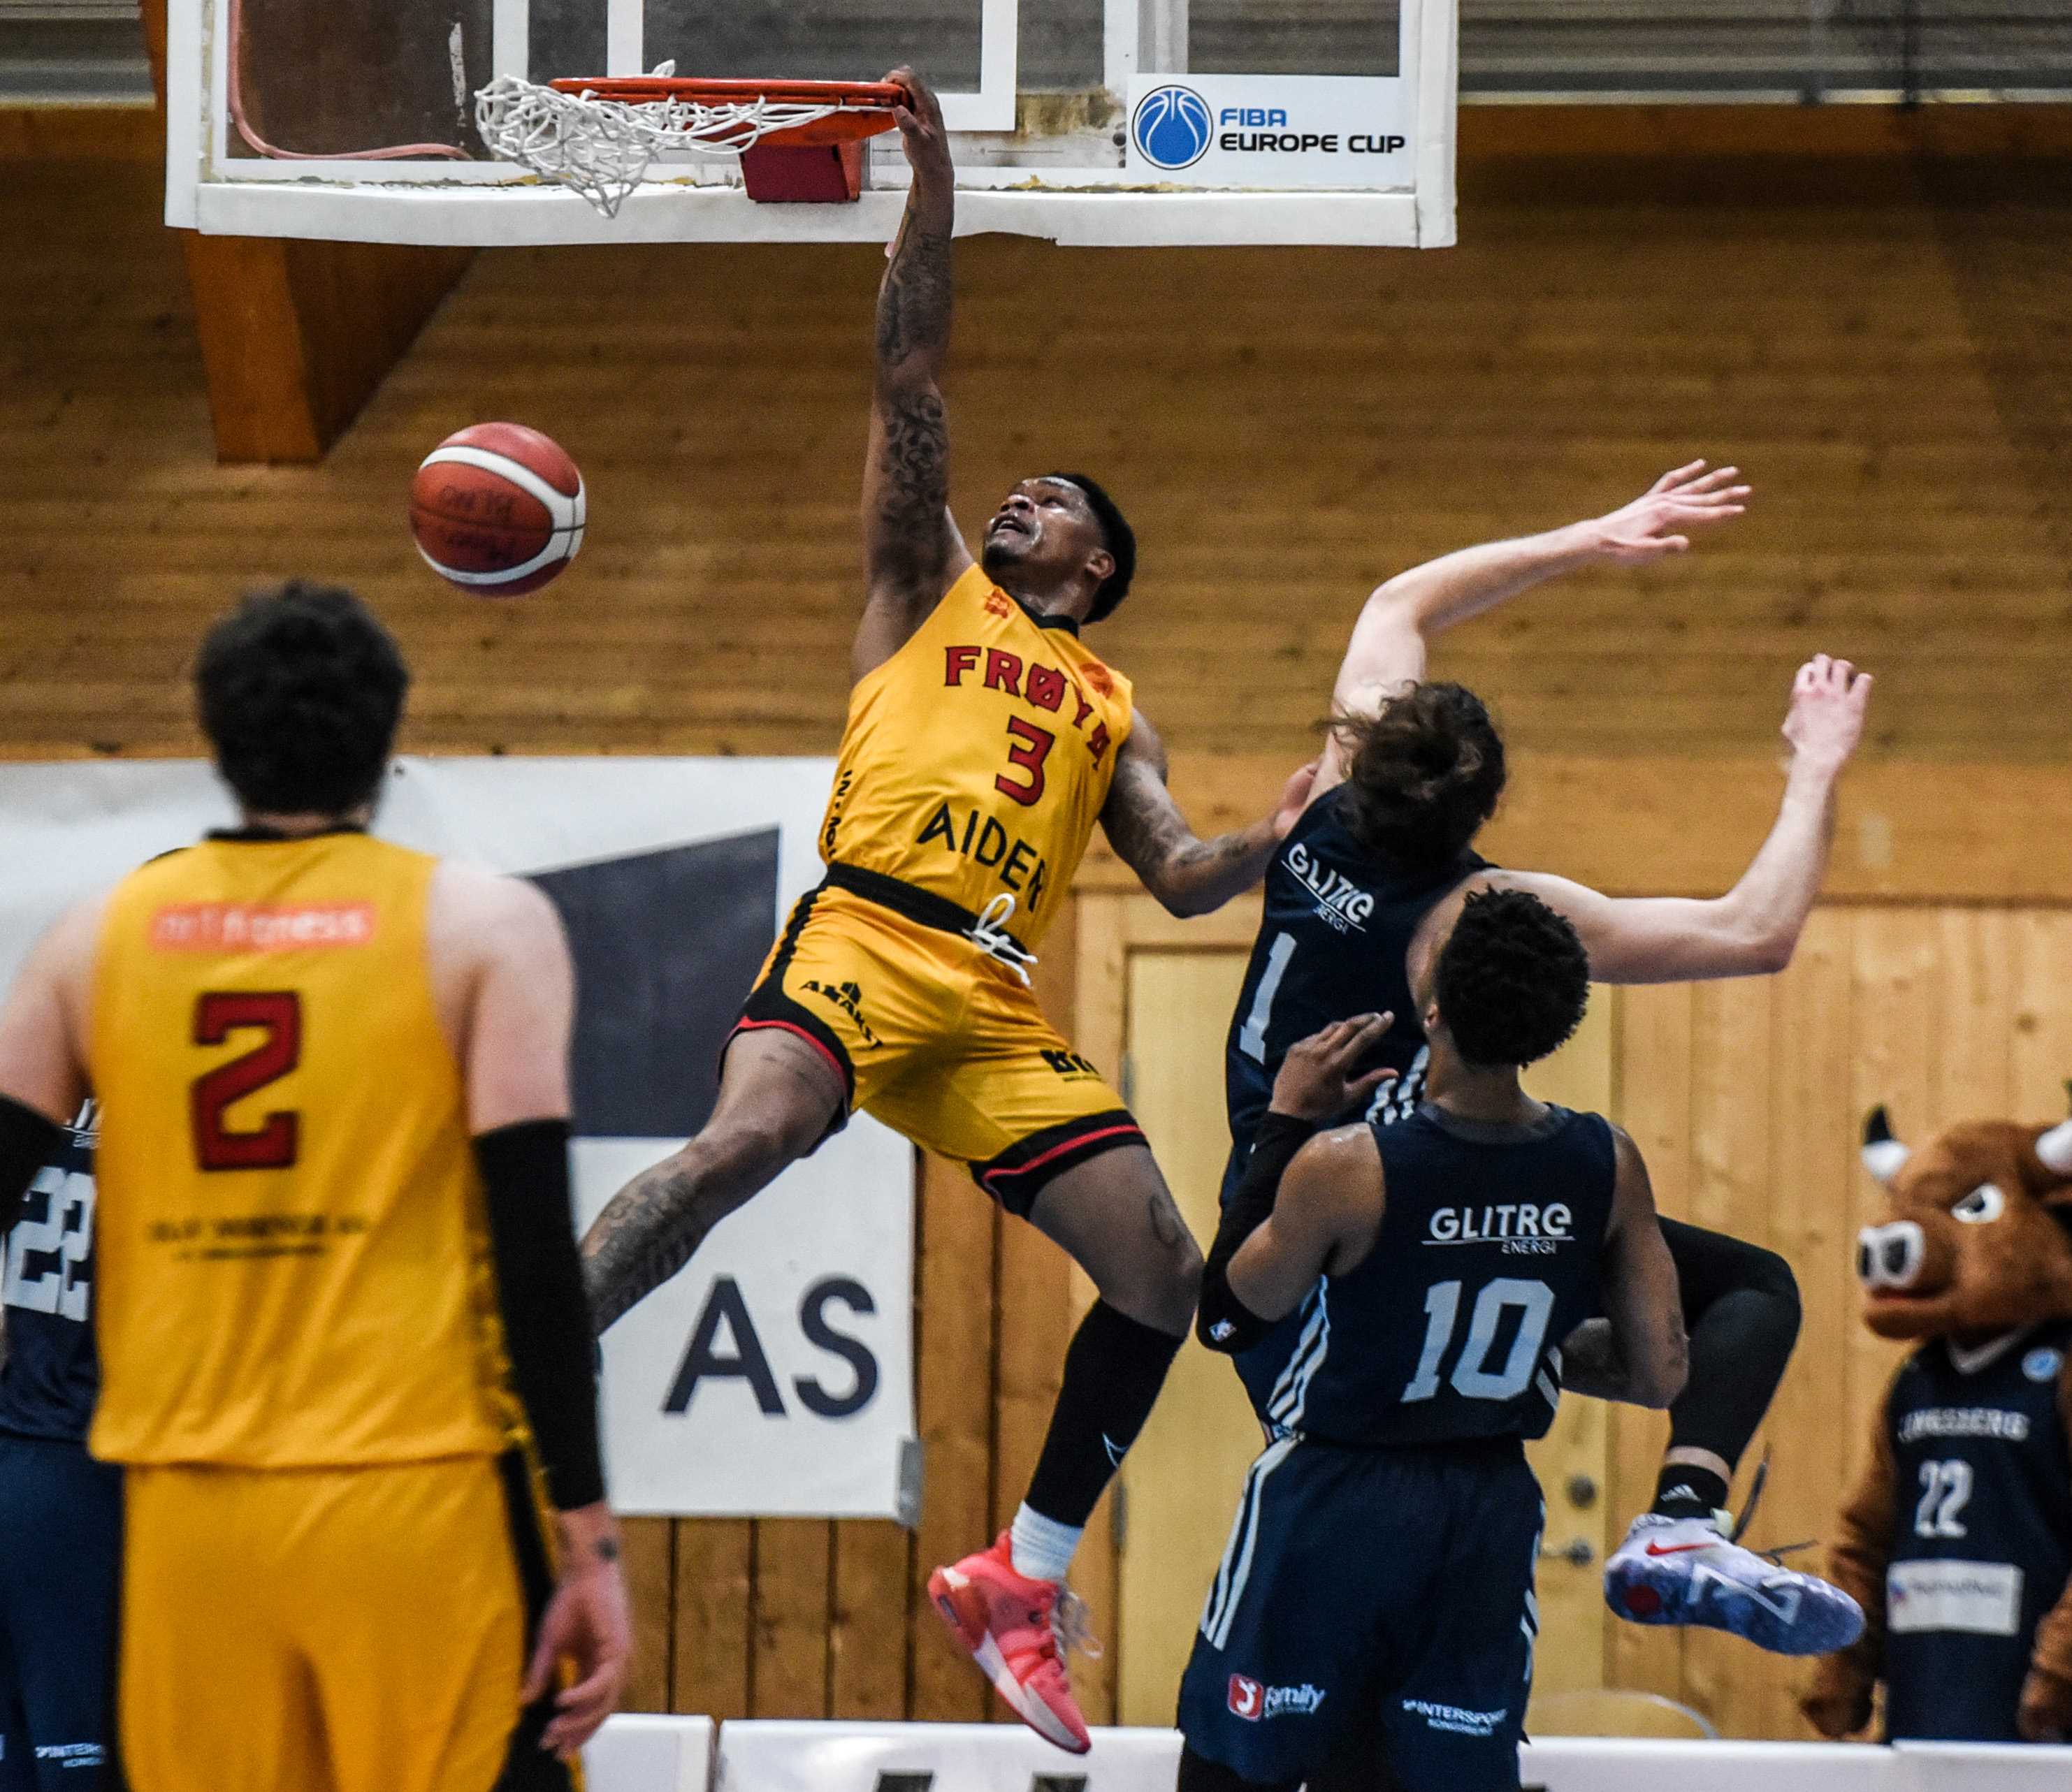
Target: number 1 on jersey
(273, 1145)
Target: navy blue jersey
(1491, 1244)
(1982, 1532)
(51, 1375)
(1333, 943)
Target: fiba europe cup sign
(774, 1375)
(1270, 131)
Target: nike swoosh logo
(1675, 1549)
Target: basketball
(498, 509)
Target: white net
(603, 148)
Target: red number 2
(1033, 747)
(217, 1015)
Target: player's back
(292, 1253)
(1333, 940)
(50, 1373)
(1490, 1253)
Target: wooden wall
(1880, 340)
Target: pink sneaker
(1015, 1629)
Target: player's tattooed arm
(1189, 875)
(913, 551)
(647, 1231)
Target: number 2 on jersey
(273, 1145)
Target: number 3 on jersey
(1032, 746)
(277, 1014)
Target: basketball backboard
(1086, 121)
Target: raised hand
(1320, 1078)
(1653, 525)
(1826, 719)
(921, 129)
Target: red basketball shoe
(1018, 1630)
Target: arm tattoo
(647, 1231)
(914, 300)
(1152, 838)
(912, 470)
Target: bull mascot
(1957, 1541)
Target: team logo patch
(848, 998)
(1071, 1066)
(2041, 1365)
(1254, 1703)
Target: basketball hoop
(795, 140)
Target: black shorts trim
(526, 1766)
(1026, 1169)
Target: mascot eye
(1984, 1202)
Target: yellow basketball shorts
(360, 1630)
(939, 1041)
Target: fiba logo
(1171, 127)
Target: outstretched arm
(1396, 625)
(1754, 927)
(912, 551)
(1189, 875)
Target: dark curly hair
(1423, 774)
(1117, 536)
(300, 690)
(1513, 979)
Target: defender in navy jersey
(1372, 1621)
(1382, 857)
(61, 1512)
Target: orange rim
(865, 107)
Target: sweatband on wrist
(1222, 1322)
(540, 1290)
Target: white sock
(1043, 1548)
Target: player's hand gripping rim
(921, 127)
(1320, 1079)
(586, 1624)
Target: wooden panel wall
(1747, 1100)
(1880, 342)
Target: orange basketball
(498, 509)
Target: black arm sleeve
(28, 1140)
(540, 1288)
(1223, 1321)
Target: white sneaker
(1686, 1570)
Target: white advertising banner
(1272, 130)
(773, 1376)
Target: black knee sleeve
(1740, 1307)
(1198, 1774)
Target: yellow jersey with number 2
(978, 758)
(292, 1252)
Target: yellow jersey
(292, 1249)
(977, 758)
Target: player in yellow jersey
(341, 1317)
(985, 741)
